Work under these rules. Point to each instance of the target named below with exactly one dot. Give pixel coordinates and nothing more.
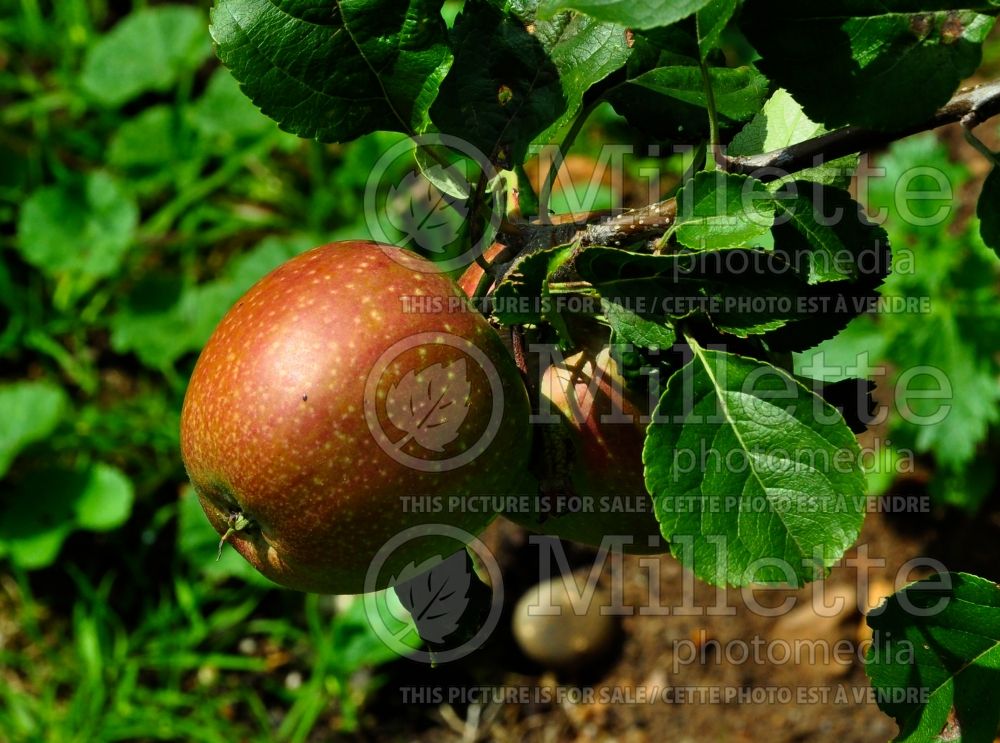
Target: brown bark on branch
(970, 107)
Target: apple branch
(970, 107)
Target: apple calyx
(237, 522)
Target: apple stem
(237, 522)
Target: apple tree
(760, 251)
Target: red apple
(349, 387)
(606, 431)
(605, 471)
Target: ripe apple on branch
(320, 408)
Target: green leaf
(34, 549)
(46, 505)
(965, 487)
(718, 284)
(667, 46)
(247, 269)
(336, 71)
(885, 65)
(711, 21)
(451, 172)
(881, 470)
(500, 96)
(950, 340)
(79, 229)
(152, 324)
(106, 501)
(632, 327)
(826, 235)
(358, 645)
(951, 394)
(988, 210)
(584, 51)
(851, 396)
(150, 140)
(149, 50)
(917, 197)
(825, 310)
(779, 480)
(742, 291)
(659, 116)
(644, 14)
(782, 123)
(720, 210)
(163, 318)
(855, 351)
(935, 659)
(521, 296)
(160, 331)
(224, 112)
(739, 92)
(31, 412)
(662, 117)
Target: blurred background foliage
(940, 332)
(140, 195)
